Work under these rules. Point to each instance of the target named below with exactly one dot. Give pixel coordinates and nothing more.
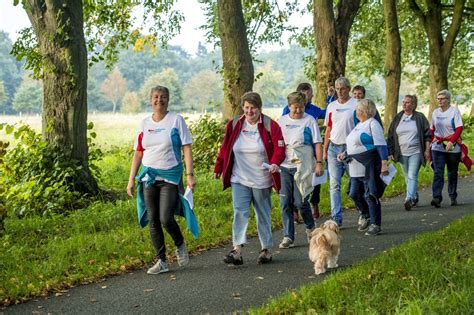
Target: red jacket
(274, 147)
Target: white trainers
(160, 267)
(182, 255)
(308, 234)
(286, 243)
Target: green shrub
(468, 123)
(37, 177)
(207, 134)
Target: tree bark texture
(236, 57)
(59, 28)
(440, 48)
(393, 69)
(331, 36)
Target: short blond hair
(367, 106)
(296, 98)
(446, 94)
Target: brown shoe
(296, 217)
(315, 211)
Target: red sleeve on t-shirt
(330, 120)
(139, 144)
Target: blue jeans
(357, 194)
(242, 196)
(440, 160)
(336, 170)
(290, 198)
(411, 167)
(375, 207)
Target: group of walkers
(259, 154)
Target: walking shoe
(286, 243)
(264, 257)
(315, 211)
(182, 255)
(361, 219)
(160, 267)
(454, 202)
(415, 201)
(436, 203)
(308, 234)
(234, 258)
(408, 204)
(363, 224)
(374, 229)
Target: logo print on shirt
(157, 130)
(342, 109)
(291, 126)
(441, 118)
(248, 132)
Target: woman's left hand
(191, 181)
(274, 168)
(449, 146)
(384, 170)
(319, 169)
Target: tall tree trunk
(325, 40)
(346, 11)
(393, 67)
(331, 36)
(59, 28)
(439, 48)
(236, 58)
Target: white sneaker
(182, 255)
(308, 234)
(160, 267)
(286, 243)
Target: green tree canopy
(167, 78)
(204, 89)
(28, 97)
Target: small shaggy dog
(324, 246)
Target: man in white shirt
(340, 120)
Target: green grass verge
(433, 274)
(42, 255)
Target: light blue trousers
(242, 197)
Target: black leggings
(161, 200)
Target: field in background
(120, 129)
(111, 129)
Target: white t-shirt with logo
(161, 141)
(341, 118)
(249, 154)
(365, 136)
(297, 132)
(445, 124)
(407, 133)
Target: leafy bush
(468, 123)
(37, 177)
(207, 134)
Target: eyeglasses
(441, 98)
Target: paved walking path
(207, 285)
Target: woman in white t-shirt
(367, 148)
(447, 126)
(409, 139)
(158, 146)
(248, 162)
(301, 133)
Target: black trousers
(161, 200)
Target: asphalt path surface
(208, 286)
